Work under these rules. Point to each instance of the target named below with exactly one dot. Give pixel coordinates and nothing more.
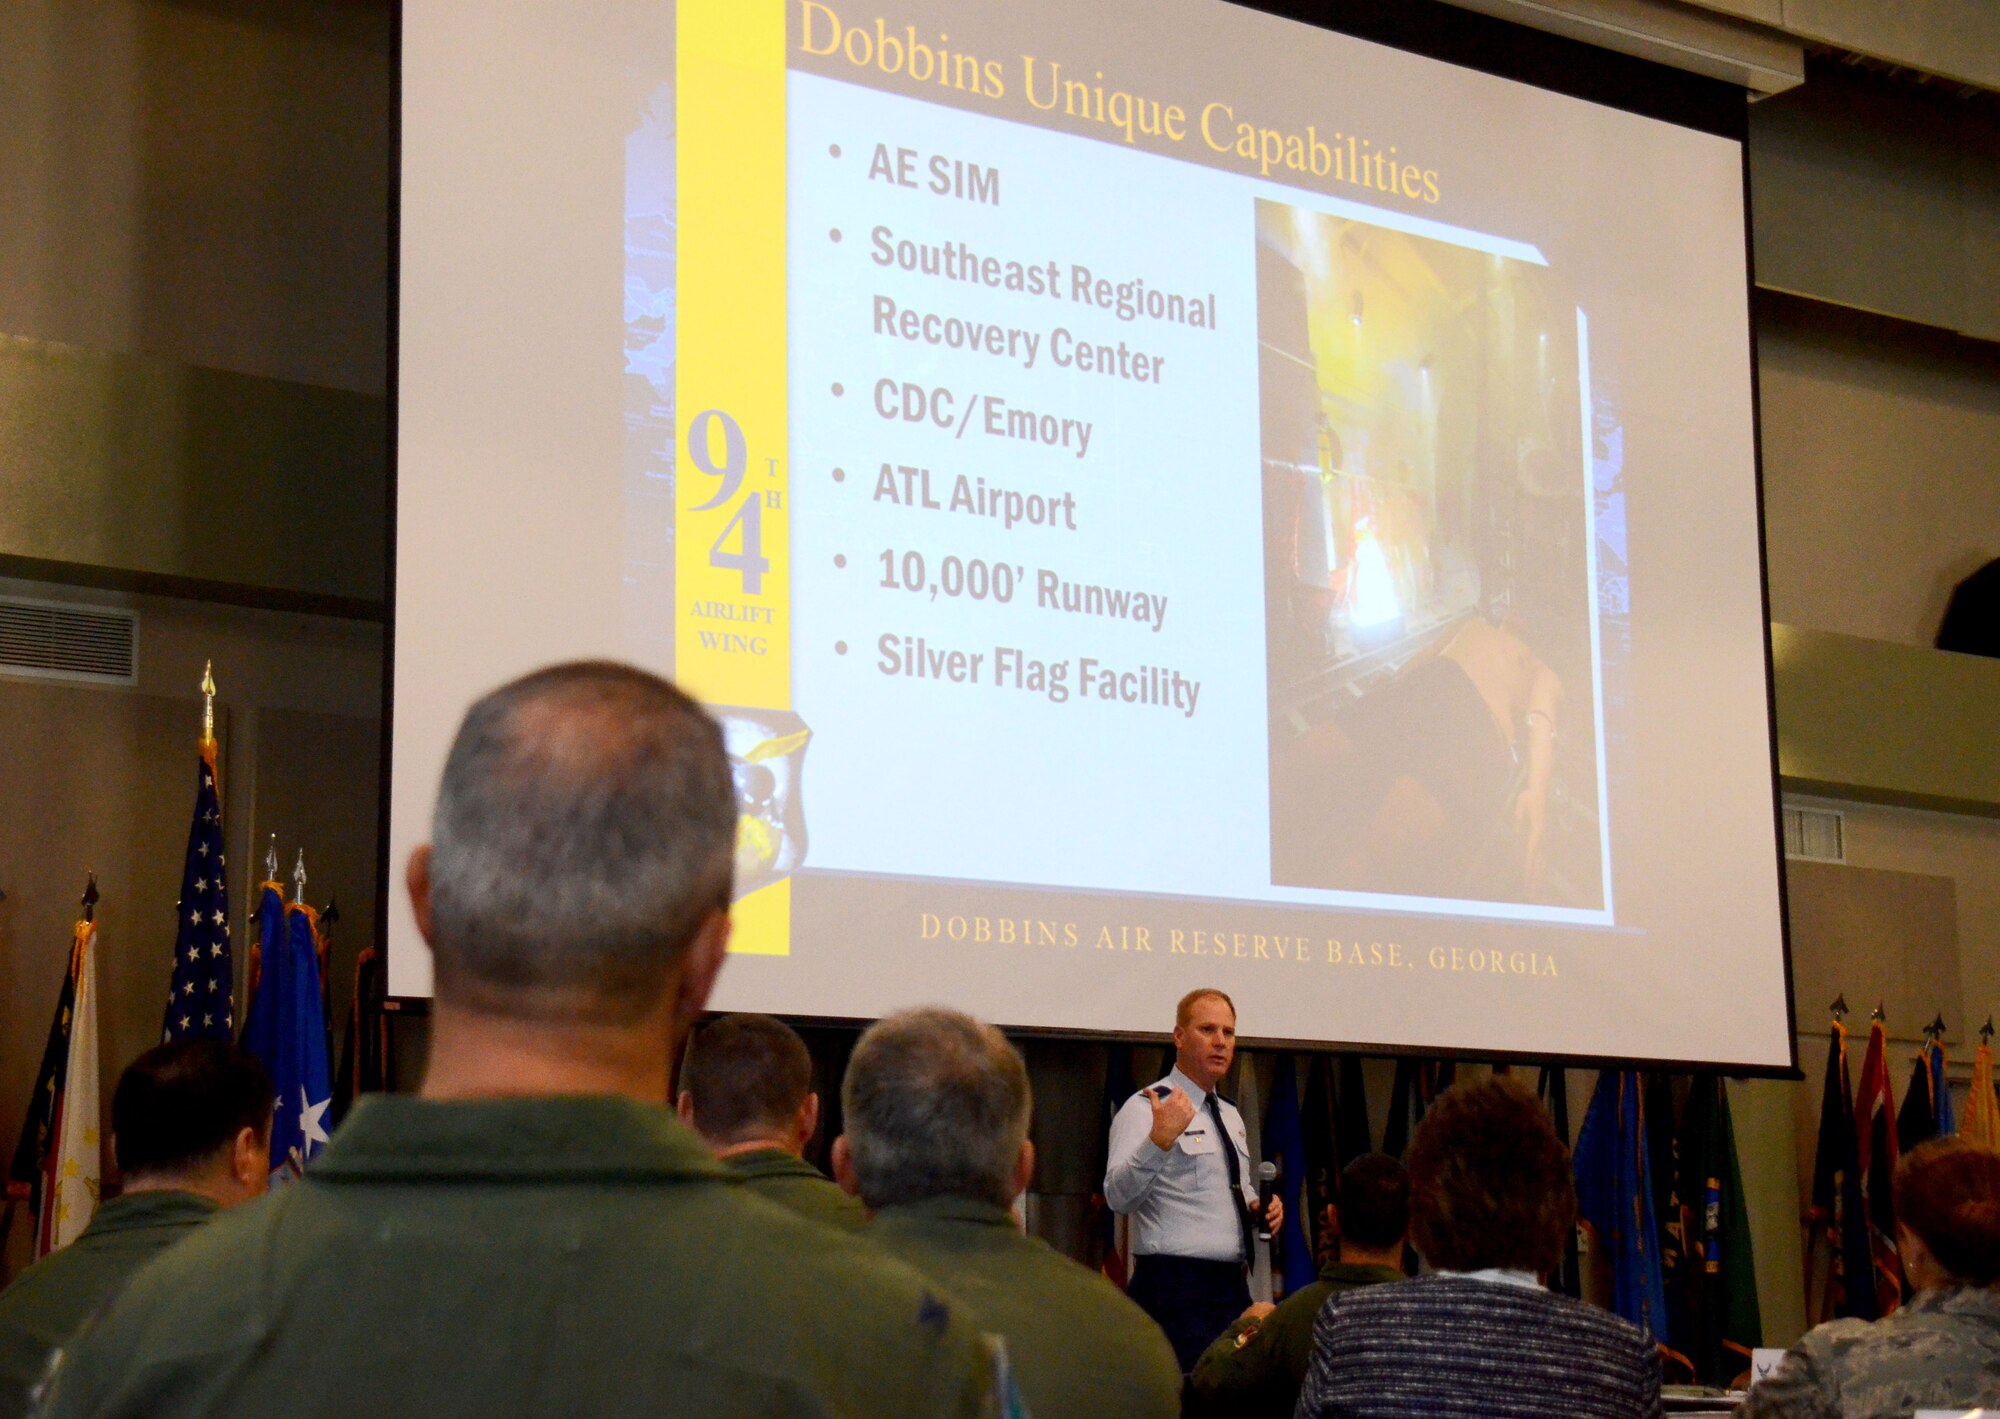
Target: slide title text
(1048, 87)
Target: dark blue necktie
(1235, 1175)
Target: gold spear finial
(208, 701)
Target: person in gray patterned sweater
(1941, 1349)
(1480, 1336)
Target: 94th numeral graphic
(748, 559)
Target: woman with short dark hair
(1490, 1183)
(1491, 1202)
(1941, 1349)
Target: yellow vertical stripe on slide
(729, 355)
(763, 921)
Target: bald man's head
(583, 834)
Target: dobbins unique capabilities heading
(896, 51)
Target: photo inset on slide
(767, 760)
(1427, 569)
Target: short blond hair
(1206, 992)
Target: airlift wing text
(732, 627)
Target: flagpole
(209, 751)
(201, 983)
(70, 1167)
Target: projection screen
(1156, 494)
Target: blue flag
(1285, 1145)
(1947, 1122)
(1614, 1195)
(199, 1003)
(287, 1031)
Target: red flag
(1875, 1143)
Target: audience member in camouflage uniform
(1941, 1350)
(1255, 1367)
(746, 1088)
(191, 1128)
(937, 1107)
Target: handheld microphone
(1267, 1174)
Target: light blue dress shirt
(1178, 1197)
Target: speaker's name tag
(1196, 1142)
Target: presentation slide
(1157, 495)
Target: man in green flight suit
(746, 1087)
(936, 1108)
(537, 1233)
(191, 1130)
(1257, 1366)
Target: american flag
(199, 1003)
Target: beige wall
(1881, 194)
(191, 192)
(1881, 469)
(159, 476)
(202, 184)
(1964, 849)
(201, 181)
(1764, 1113)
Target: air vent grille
(57, 640)
(1815, 834)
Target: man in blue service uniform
(1179, 1167)
(537, 1234)
(937, 1108)
(746, 1087)
(191, 1129)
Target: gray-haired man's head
(583, 835)
(936, 1104)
